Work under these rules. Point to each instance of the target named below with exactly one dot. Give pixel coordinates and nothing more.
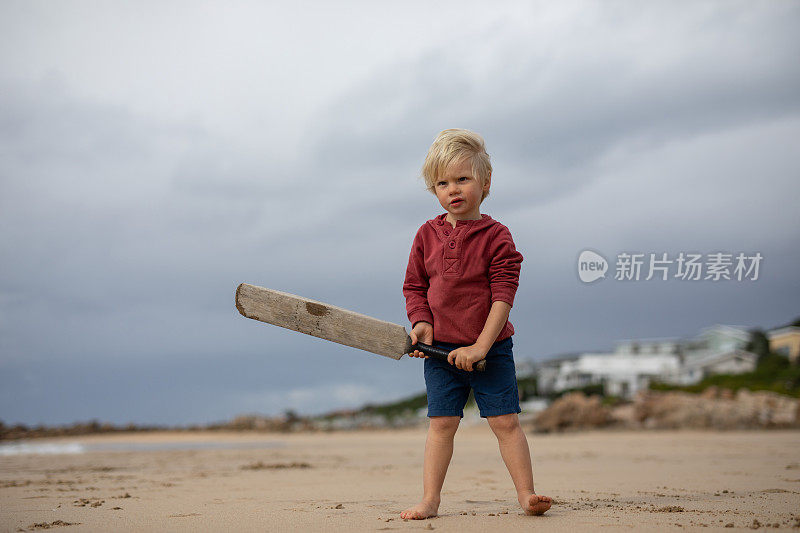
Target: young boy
(462, 275)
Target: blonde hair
(452, 146)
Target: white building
(649, 347)
(635, 363)
(631, 367)
(699, 366)
(719, 338)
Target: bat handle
(441, 354)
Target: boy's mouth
(456, 202)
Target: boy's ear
(488, 183)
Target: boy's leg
(517, 457)
(438, 451)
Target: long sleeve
(504, 266)
(416, 284)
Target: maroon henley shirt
(455, 274)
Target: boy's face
(460, 192)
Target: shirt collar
(484, 221)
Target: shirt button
(439, 222)
(452, 244)
(447, 232)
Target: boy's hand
(422, 332)
(466, 356)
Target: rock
(716, 409)
(573, 411)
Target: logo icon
(591, 266)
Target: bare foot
(421, 511)
(535, 504)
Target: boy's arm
(504, 266)
(465, 357)
(415, 285)
(498, 316)
(415, 289)
(504, 269)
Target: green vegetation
(759, 344)
(527, 387)
(594, 389)
(773, 373)
(404, 407)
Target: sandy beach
(361, 480)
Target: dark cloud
(554, 109)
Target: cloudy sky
(153, 156)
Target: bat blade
(322, 320)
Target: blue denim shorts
(495, 390)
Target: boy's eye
(463, 178)
(441, 183)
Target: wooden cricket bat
(332, 323)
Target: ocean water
(24, 448)
(34, 448)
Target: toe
(537, 505)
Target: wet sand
(345, 481)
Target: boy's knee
(504, 424)
(444, 424)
